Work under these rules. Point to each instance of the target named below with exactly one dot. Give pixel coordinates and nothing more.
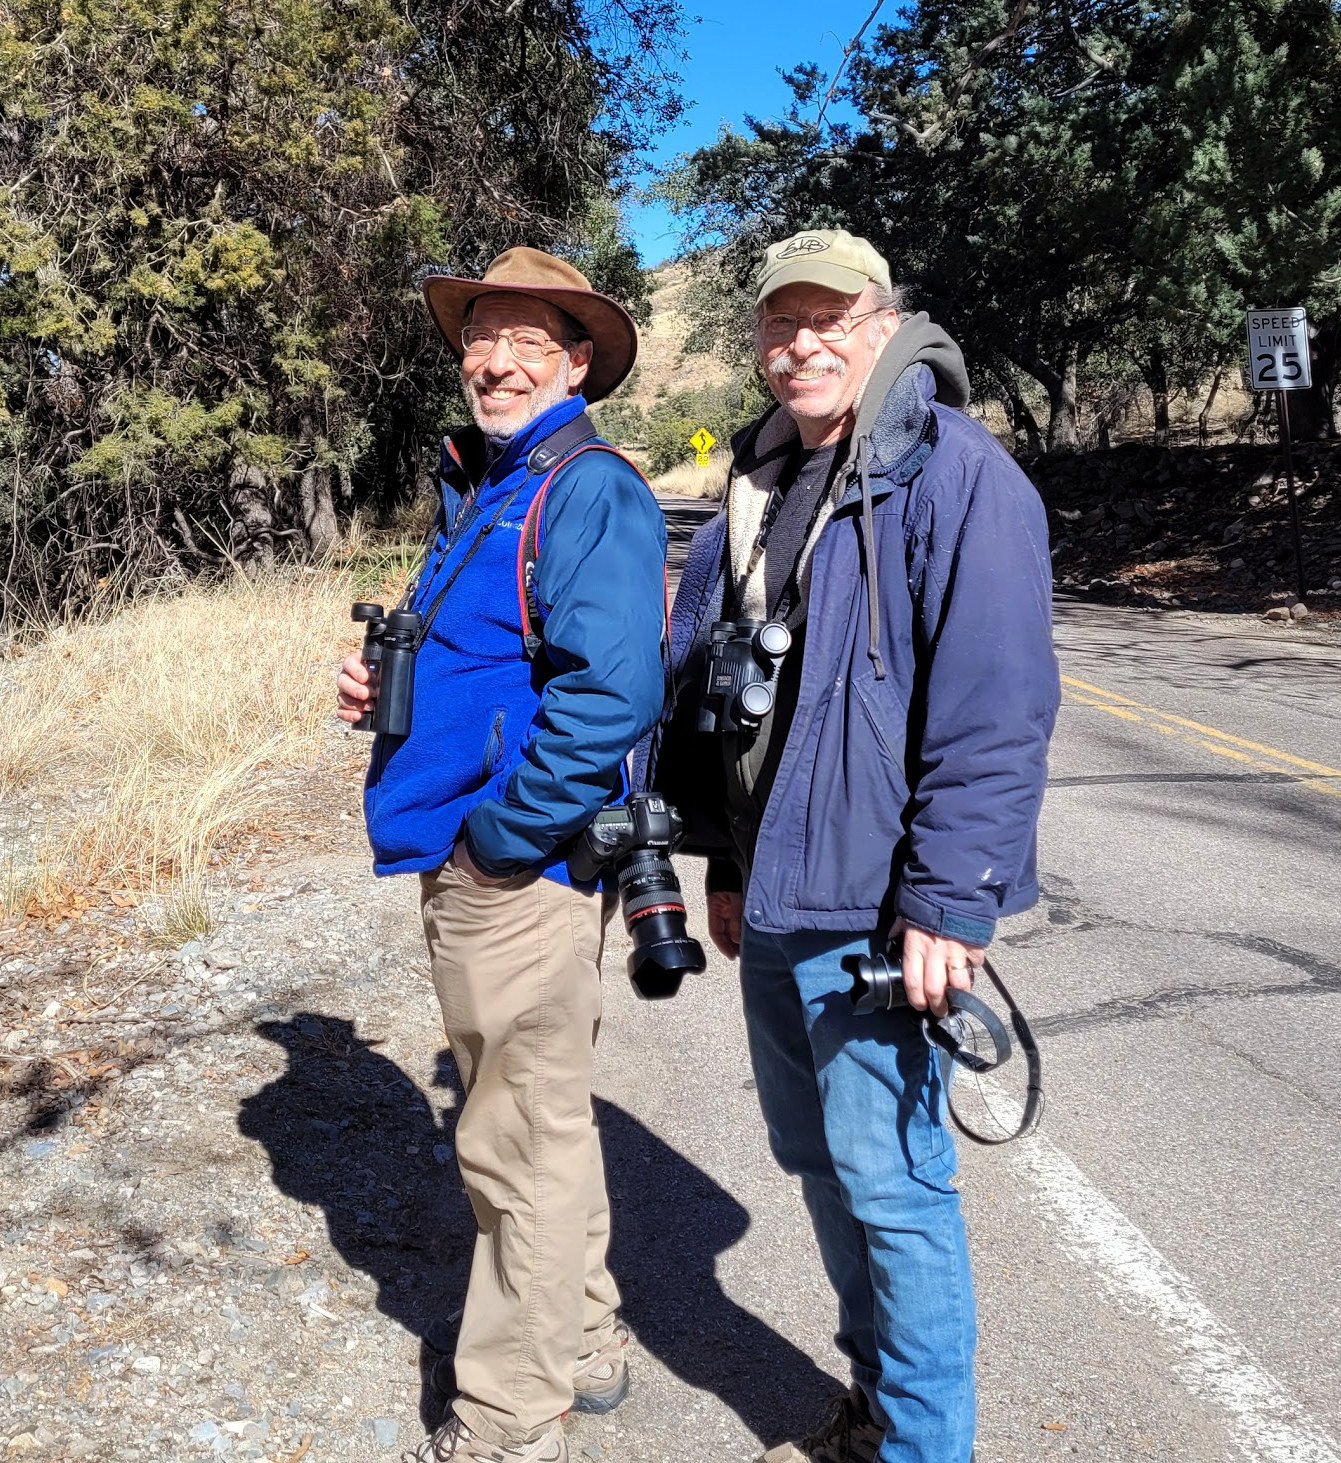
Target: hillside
(664, 366)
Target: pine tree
(213, 220)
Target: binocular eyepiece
(390, 643)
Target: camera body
(638, 838)
(389, 646)
(741, 674)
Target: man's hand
(725, 913)
(463, 863)
(352, 688)
(931, 962)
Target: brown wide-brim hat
(614, 337)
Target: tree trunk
(1063, 415)
(398, 456)
(1023, 426)
(1204, 420)
(1314, 413)
(319, 524)
(1061, 385)
(252, 538)
(320, 529)
(1157, 379)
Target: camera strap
(476, 543)
(946, 1033)
(558, 445)
(789, 595)
(776, 498)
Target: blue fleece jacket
(518, 756)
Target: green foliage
(601, 251)
(1068, 185)
(214, 219)
(621, 422)
(673, 420)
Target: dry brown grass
(691, 481)
(156, 727)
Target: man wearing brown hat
(540, 666)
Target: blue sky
(736, 51)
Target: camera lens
(654, 915)
(876, 984)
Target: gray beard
(539, 402)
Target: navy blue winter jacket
(918, 793)
(518, 756)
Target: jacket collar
(476, 458)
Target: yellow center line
(1115, 702)
(1223, 745)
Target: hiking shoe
(454, 1442)
(601, 1377)
(849, 1435)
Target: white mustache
(824, 363)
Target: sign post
(702, 442)
(1279, 361)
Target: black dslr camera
(638, 838)
(741, 675)
(389, 646)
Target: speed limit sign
(1278, 358)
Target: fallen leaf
(56, 1287)
(297, 1257)
(1056, 1427)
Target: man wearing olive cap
(892, 793)
(516, 743)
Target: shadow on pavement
(671, 1221)
(346, 1129)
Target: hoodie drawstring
(872, 573)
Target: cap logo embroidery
(803, 246)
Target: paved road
(1160, 1269)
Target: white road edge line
(1267, 1421)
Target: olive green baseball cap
(829, 257)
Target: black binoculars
(390, 643)
(741, 674)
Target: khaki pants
(517, 971)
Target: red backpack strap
(528, 553)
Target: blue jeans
(856, 1108)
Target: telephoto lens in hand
(741, 674)
(638, 838)
(389, 646)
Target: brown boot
(850, 1435)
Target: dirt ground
(230, 1218)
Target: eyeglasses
(526, 345)
(828, 325)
